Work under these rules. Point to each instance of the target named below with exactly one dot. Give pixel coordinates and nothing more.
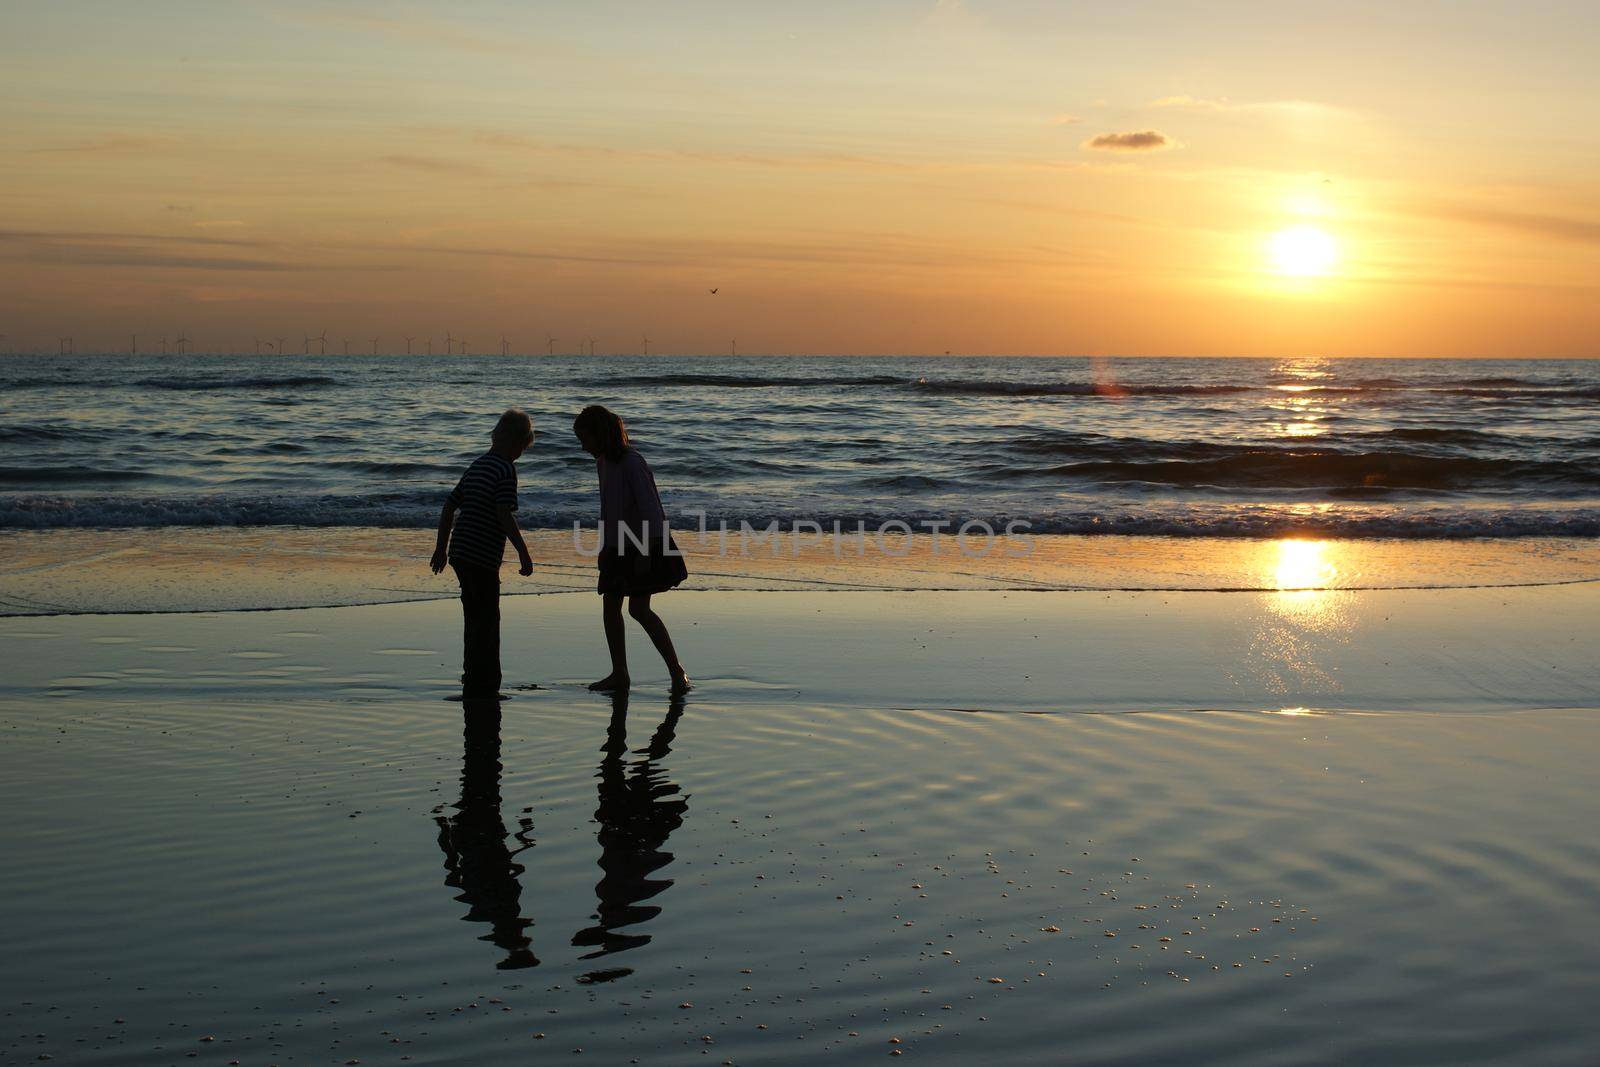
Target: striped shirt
(489, 484)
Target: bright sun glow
(1303, 251)
(1303, 565)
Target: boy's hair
(605, 426)
(514, 428)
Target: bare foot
(610, 683)
(680, 682)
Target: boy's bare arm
(508, 523)
(441, 544)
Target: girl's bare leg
(639, 608)
(616, 643)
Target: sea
(1423, 448)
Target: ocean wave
(1284, 469)
(1448, 441)
(396, 468)
(293, 381)
(1107, 388)
(1111, 387)
(41, 475)
(48, 432)
(417, 512)
(50, 383)
(739, 381)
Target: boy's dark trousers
(480, 631)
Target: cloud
(148, 250)
(1140, 141)
(91, 236)
(114, 145)
(121, 255)
(1290, 108)
(1192, 103)
(414, 29)
(779, 159)
(1066, 120)
(1561, 227)
(432, 164)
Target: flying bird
(714, 291)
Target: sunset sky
(1269, 178)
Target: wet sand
(1094, 827)
(63, 571)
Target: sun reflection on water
(1307, 617)
(1306, 578)
(1304, 565)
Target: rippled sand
(885, 823)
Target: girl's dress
(629, 499)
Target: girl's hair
(514, 428)
(605, 428)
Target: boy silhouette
(478, 518)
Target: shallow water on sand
(252, 872)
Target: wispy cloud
(780, 159)
(122, 255)
(1138, 141)
(414, 29)
(152, 250)
(109, 237)
(113, 145)
(1562, 227)
(1305, 108)
(1191, 103)
(1065, 120)
(432, 164)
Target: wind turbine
(430, 346)
(258, 346)
(280, 345)
(463, 346)
(163, 344)
(322, 343)
(733, 347)
(449, 344)
(374, 346)
(347, 346)
(505, 346)
(133, 344)
(591, 346)
(550, 345)
(182, 340)
(645, 338)
(408, 345)
(64, 345)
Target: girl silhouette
(638, 558)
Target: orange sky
(863, 177)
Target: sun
(1303, 251)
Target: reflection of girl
(637, 555)
(639, 807)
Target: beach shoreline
(186, 569)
